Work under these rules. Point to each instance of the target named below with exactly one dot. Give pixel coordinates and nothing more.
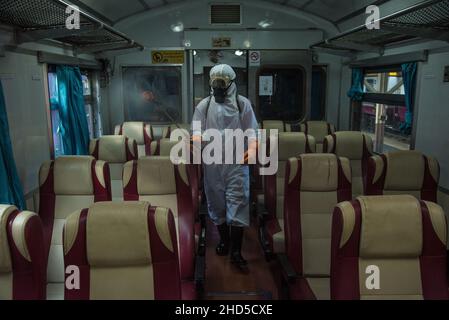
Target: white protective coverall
(227, 185)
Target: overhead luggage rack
(35, 20)
(426, 20)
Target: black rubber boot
(236, 248)
(222, 248)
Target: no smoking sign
(254, 58)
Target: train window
(383, 110)
(90, 106)
(152, 94)
(58, 147)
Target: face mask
(220, 93)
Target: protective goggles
(221, 82)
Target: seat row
(69, 184)
(112, 250)
(144, 134)
(382, 247)
(297, 204)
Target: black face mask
(220, 94)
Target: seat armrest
(287, 269)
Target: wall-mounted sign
(167, 57)
(265, 86)
(221, 42)
(254, 58)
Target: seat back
(319, 130)
(358, 148)
(139, 131)
(67, 184)
(169, 129)
(163, 148)
(158, 181)
(399, 238)
(22, 255)
(291, 144)
(279, 125)
(316, 184)
(116, 151)
(403, 172)
(123, 251)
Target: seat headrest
(405, 170)
(134, 130)
(5, 256)
(350, 144)
(73, 175)
(318, 129)
(293, 144)
(117, 234)
(165, 146)
(391, 227)
(274, 124)
(155, 176)
(319, 172)
(113, 148)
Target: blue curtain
(73, 121)
(356, 91)
(409, 76)
(11, 190)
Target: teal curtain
(356, 91)
(73, 121)
(409, 76)
(11, 190)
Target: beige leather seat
(291, 144)
(158, 181)
(279, 125)
(169, 129)
(399, 240)
(124, 251)
(319, 130)
(316, 184)
(67, 184)
(22, 255)
(139, 131)
(358, 148)
(403, 172)
(116, 150)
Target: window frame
(150, 66)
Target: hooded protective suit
(226, 185)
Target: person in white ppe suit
(227, 185)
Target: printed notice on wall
(168, 57)
(265, 86)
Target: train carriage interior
(347, 101)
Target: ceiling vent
(225, 14)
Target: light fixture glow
(177, 27)
(195, 53)
(266, 23)
(247, 44)
(239, 53)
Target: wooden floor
(225, 282)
